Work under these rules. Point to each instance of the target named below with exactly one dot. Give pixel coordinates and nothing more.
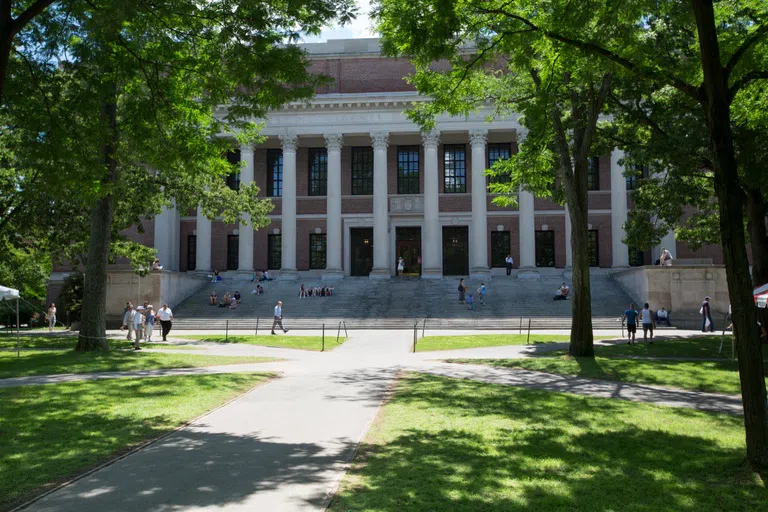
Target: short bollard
(415, 334)
(257, 327)
(226, 332)
(322, 347)
(529, 332)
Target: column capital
(380, 140)
(289, 141)
(478, 137)
(333, 141)
(246, 147)
(430, 139)
(521, 132)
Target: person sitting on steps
(562, 292)
(212, 298)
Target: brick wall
(354, 75)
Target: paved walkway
(285, 445)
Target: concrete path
(285, 445)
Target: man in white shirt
(278, 317)
(166, 320)
(665, 260)
(128, 320)
(646, 317)
(509, 261)
(138, 324)
(662, 315)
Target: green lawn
(430, 343)
(267, 340)
(455, 445)
(69, 341)
(710, 376)
(696, 347)
(48, 362)
(53, 432)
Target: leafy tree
(24, 267)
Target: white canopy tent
(11, 294)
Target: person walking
(51, 316)
(278, 317)
(649, 322)
(630, 316)
(128, 320)
(138, 325)
(481, 292)
(462, 291)
(166, 320)
(509, 262)
(400, 266)
(706, 316)
(149, 324)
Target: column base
(333, 275)
(380, 273)
(480, 273)
(289, 274)
(528, 273)
(245, 272)
(432, 273)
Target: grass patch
(452, 445)
(709, 376)
(267, 340)
(49, 362)
(53, 432)
(431, 343)
(69, 341)
(696, 347)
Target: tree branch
(745, 46)
(745, 81)
(28, 15)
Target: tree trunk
(756, 211)
(6, 41)
(93, 321)
(582, 342)
(717, 106)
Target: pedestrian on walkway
(509, 262)
(51, 317)
(138, 325)
(630, 316)
(149, 323)
(462, 291)
(481, 292)
(400, 266)
(166, 320)
(649, 322)
(278, 317)
(128, 320)
(706, 316)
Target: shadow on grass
(471, 446)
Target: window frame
(593, 173)
(317, 182)
(318, 249)
(498, 147)
(457, 182)
(408, 182)
(362, 170)
(502, 263)
(275, 174)
(274, 251)
(551, 233)
(233, 257)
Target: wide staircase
(401, 303)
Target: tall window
(317, 251)
(233, 179)
(318, 171)
(636, 257)
(593, 173)
(594, 251)
(639, 172)
(498, 151)
(233, 252)
(275, 172)
(191, 252)
(408, 170)
(499, 248)
(362, 171)
(545, 248)
(455, 166)
(274, 252)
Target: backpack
(461, 288)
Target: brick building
(356, 185)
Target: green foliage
(71, 297)
(24, 267)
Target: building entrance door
(362, 251)
(408, 247)
(455, 251)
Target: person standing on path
(278, 317)
(509, 262)
(706, 316)
(646, 317)
(51, 316)
(481, 292)
(462, 291)
(166, 320)
(138, 325)
(128, 320)
(400, 266)
(149, 323)
(631, 317)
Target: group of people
(228, 301)
(140, 322)
(563, 292)
(648, 318)
(260, 275)
(468, 299)
(50, 317)
(315, 291)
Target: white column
(333, 142)
(245, 230)
(431, 266)
(478, 248)
(568, 250)
(203, 255)
(381, 264)
(618, 210)
(167, 237)
(288, 229)
(527, 229)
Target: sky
(359, 28)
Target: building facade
(356, 186)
